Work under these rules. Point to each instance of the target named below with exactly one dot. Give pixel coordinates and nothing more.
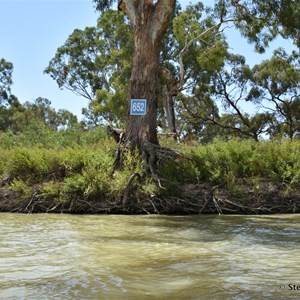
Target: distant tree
(8, 102)
(65, 119)
(17, 117)
(193, 112)
(95, 63)
(8, 111)
(276, 88)
(40, 111)
(6, 69)
(231, 89)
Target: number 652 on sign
(138, 107)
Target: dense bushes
(64, 166)
(224, 162)
(42, 136)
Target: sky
(32, 30)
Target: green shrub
(278, 161)
(97, 173)
(51, 189)
(21, 187)
(73, 162)
(224, 162)
(26, 163)
(179, 171)
(132, 163)
(74, 184)
(39, 135)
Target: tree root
(201, 198)
(152, 154)
(128, 187)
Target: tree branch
(129, 7)
(193, 40)
(161, 17)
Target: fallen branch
(33, 197)
(116, 133)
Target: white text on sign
(138, 107)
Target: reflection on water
(149, 257)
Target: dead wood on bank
(200, 198)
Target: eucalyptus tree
(6, 69)
(95, 63)
(198, 50)
(276, 88)
(41, 112)
(148, 23)
(259, 101)
(193, 112)
(232, 90)
(8, 102)
(260, 21)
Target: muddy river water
(49, 256)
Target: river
(45, 256)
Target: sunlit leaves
(206, 54)
(186, 25)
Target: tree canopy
(6, 69)
(16, 117)
(96, 63)
(194, 66)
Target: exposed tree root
(151, 154)
(128, 187)
(201, 198)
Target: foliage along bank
(72, 172)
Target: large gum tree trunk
(150, 20)
(143, 85)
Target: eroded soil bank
(266, 197)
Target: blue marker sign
(138, 107)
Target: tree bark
(170, 113)
(150, 20)
(143, 85)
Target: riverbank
(267, 198)
(57, 174)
